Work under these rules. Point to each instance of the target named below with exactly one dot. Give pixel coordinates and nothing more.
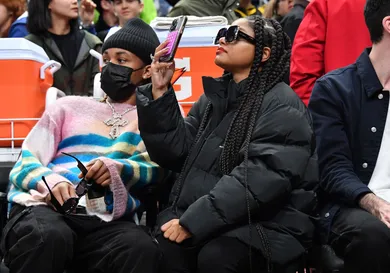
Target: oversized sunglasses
(232, 34)
(82, 188)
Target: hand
(87, 11)
(377, 207)
(62, 192)
(175, 232)
(161, 72)
(99, 173)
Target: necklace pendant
(114, 132)
(109, 122)
(122, 122)
(116, 121)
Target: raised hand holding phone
(161, 72)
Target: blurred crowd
(333, 33)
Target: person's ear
(147, 73)
(141, 7)
(266, 54)
(386, 24)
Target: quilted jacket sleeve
(166, 134)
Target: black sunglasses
(232, 34)
(82, 188)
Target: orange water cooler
(26, 75)
(196, 53)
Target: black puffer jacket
(282, 171)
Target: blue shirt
(18, 28)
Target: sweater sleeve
(137, 171)
(38, 150)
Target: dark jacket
(290, 24)
(281, 169)
(293, 19)
(349, 110)
(77, 80)
(172, 2)
(101, 25)
(206, 8)
(102, 34)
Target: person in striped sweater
(99, 235)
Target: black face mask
(115, 81)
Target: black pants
(221, 255)
(362, 240)
(41, 240)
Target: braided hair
(259, 82)
(267, 33)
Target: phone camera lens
(174, 24)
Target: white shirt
(112, 31)
(24, 14)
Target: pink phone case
(174, 36)
(171, 40)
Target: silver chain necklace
(117, 121)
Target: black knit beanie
(137, 37)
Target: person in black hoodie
(244, 198)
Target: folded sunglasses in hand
(82, 188)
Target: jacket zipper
(186, 171)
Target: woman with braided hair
(245, 153)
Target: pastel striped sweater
(75, 125)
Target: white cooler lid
(193, 36)
(21, 49)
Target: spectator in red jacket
(332, 35)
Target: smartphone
(174, 36)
